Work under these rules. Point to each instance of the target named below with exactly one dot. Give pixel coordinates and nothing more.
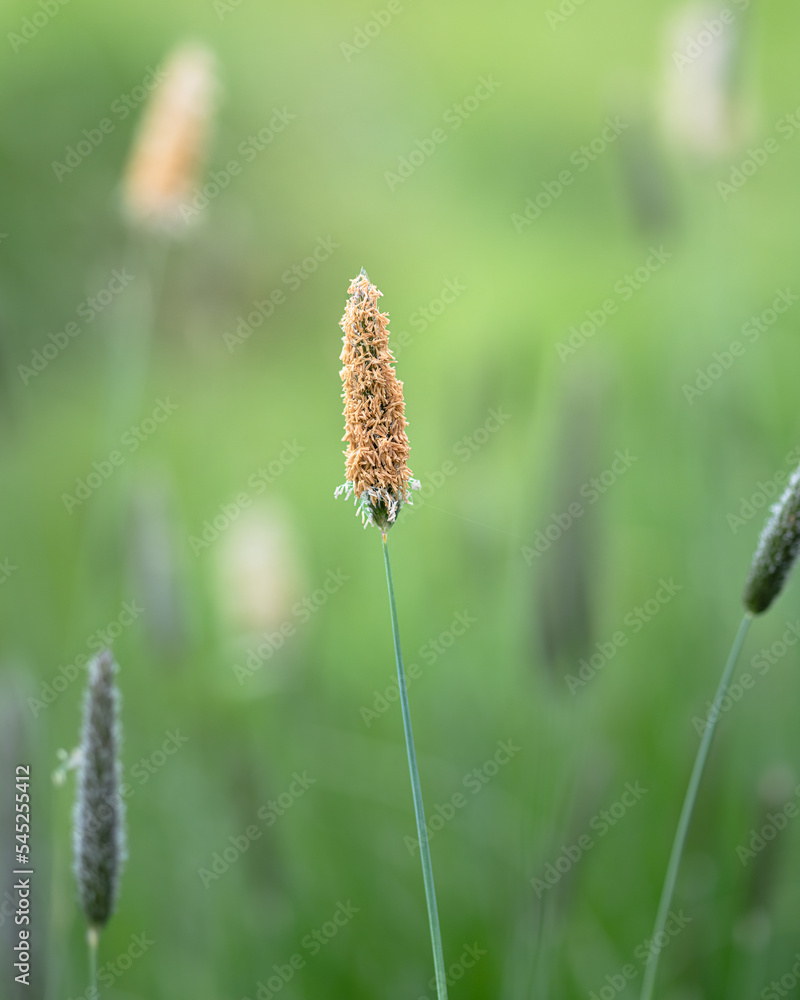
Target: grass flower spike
(377, 470)
(775, 555)
(99, 809)
(99, 818)
(380, 480)
(777, 550)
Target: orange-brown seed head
(374, 412)
(167, 156)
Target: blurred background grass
(462, 550)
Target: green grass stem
(422, 832)
(679, 842)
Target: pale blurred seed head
(753, 931)
(258, 572)
(170, 146)
(701, 111)
(777, 784)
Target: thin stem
(422, 831)
(92, 939)
(131, 337)
(128, 344)
(688, 806)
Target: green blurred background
(684, 124)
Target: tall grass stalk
(679, 842)
(422, 831)
(776, 552)
(162, 169)
(380, 481)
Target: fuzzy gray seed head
(777, 550)
(99, 816)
